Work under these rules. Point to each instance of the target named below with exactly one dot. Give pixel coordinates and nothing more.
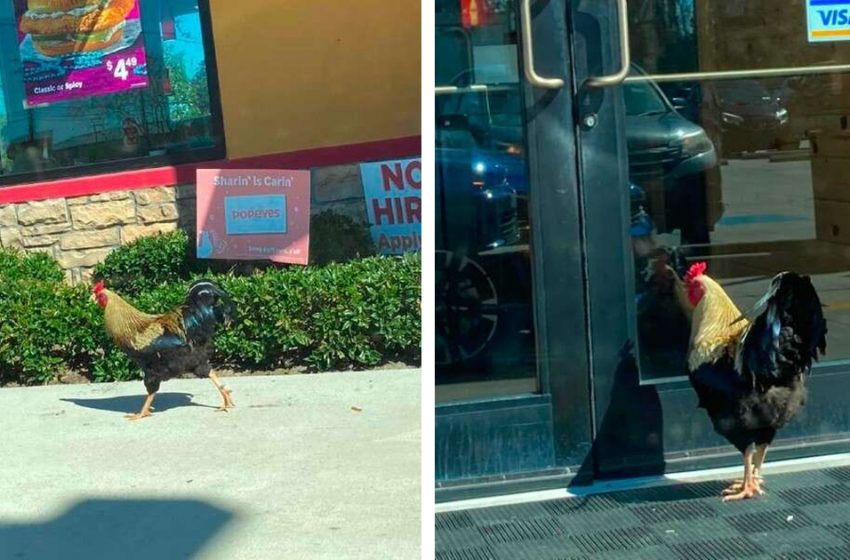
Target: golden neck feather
(714, 331)
(122, 320)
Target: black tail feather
(788, 334)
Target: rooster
(167, 345)
(749, 370)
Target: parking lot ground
(306, 466)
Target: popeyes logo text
(257, 213)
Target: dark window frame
(213, 153)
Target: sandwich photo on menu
(63, 27)
(72, 49)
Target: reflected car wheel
(466, 308)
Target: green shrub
(46, 326)
(356, 314)
(351, 315)
(148, 262)
(15, 265)
(30, 343)
(337, 238)
(156, 260)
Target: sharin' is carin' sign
(254, 215)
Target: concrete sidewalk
(292, 472)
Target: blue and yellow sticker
(828, 20)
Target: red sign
(253, 214)
(473, 13)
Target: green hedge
(161, 259)
(337, 238)
(350, 315)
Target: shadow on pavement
(132, 403)
(118, 528)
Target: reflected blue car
(482, 192)
(672, 160)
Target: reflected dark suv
(748, 115)
(482, 187)
(483, 314)
(673, 160)
(483, 279)
(751, 117)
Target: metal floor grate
(831, 553)
(828, 494)
(614, 539)
(778, 520)
(467, 554)
(842, 531)
(673, 511)
(522, 530)
(454, 520)
(719, 548)
(841, 474)
(804, 515)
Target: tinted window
(135, 90)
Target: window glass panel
(485, 342)
(163, 109)
(747, 172)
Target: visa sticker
(828, 20)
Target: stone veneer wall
(79, 232)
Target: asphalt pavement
(306, 466)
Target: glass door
(485, 339)
(723, 138)
(512, 381)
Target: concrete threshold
(603, 487)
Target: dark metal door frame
(481, 446)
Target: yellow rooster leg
(758, 480)
(224, 392)
(758, 461)
(750, 487)
(146, 409)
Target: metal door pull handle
(531, 74)
(625, 53)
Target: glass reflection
(484, 323)
(749, 174)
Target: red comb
(695, 271)
(98, 287)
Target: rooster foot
(747, 491)
(228, 401)
(138, 416)
(738, 485)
